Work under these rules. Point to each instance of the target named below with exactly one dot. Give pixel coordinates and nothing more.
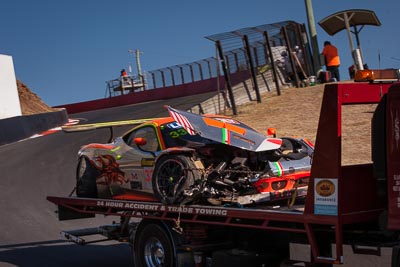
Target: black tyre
(86, 179)
(172, 175)
(153, 247)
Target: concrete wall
(21, 127)
(194, 88)
(9, 99)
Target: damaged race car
(190, 159)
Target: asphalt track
(32, 169)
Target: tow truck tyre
(172, 175)
(86, 179)
(153, 248)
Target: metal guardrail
(124, 85)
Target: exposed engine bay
(226, 174)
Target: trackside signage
(162, 208)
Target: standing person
(123, 73)
(299, 62)
(332, 60)
(299, 54)
(288, 67)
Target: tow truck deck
(340, 199)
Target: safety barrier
(21, 127)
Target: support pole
(271, 58)
(139, 69)
(227, 77)
(290, 55)
(355, 52)
(251, 65)
(313, 36)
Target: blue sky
(65, 51)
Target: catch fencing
(252, 51)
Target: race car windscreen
(175, 135)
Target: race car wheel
(172, 175)
(86, 179)
(153, 248)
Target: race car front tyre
(172, 175)
(86, 179)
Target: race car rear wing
(110, 125)
(94, 126)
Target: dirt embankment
(30, 102)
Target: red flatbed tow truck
(350, 216)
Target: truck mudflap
(70, 214)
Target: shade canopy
(336, 22)
(347, 19)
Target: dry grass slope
(296, 113)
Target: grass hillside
(296, 113)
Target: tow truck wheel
(153, 247)
(86, 179)
(172, 175)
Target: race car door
(137, 159)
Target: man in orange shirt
(332, 60)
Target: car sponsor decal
(241, 138)
(147, 162)
(173, 125)
(148, 173)
(110, 173)
(115, 149)
(325, 196)
(279, 168)
(226, 136)
(227, 120)
(178, 132)
(224, 125)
